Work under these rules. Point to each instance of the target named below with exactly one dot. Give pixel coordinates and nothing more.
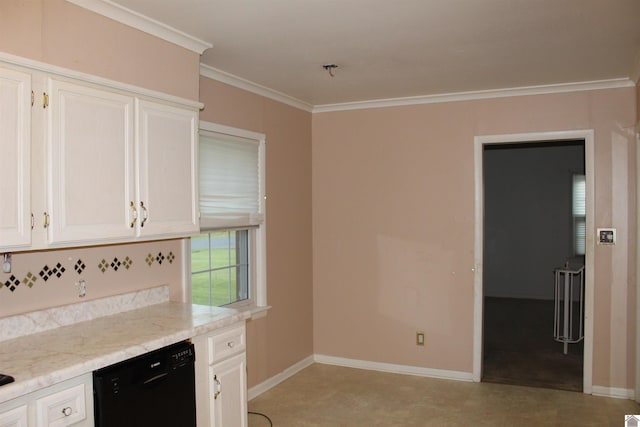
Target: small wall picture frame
(606, 236)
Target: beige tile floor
(324, 395)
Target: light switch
(606, 236)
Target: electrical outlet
(82, 288)
(419, 338)
(6, 263)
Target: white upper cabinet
(166, 138)
(115, 175)
(92, 161)
(91, 156)
(15, 158)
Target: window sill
(255, 311)
(258, 312)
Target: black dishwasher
(155, 389)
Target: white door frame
(479, 142)
(637, 388)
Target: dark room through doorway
(534, 223)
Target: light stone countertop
(41, 359)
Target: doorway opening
(526, 229)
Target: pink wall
(60, 33)
(393, 226)
(284, 337)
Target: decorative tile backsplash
(49, 273)
(79, 267)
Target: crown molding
(148, 25)
(143, 23)
(224, 77)
(230, 79)
(475, 95)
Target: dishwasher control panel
(180, 357)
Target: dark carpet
(519, 347)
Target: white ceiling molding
(230, 79)
(481, 94)
(249, 86)
(150, 26)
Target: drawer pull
(230, 344)
(66, 411)
(132, 206)
(218, 386)
(145, 214)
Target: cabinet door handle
(216, 387)
(45, 100)
(33, 221)
(135, 214)
(66, 411)
(46, 220)
(145, 214)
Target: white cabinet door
(15, 158)
(69, 403)
(229, 392)
(91, 179)
(166, 146)
(16, 417)
(221, 378)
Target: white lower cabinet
(16, 417)
(69, 403)
(221, 378)
(229, 379)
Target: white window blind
(230, 187)
(579, 213)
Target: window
(220, 267)
(579, 211)
(228, 260)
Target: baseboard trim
(257, 390)
(393, 368)
(615, 392)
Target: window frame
(257, 301)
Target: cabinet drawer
(16, 417)
(227, 344)
(63, 408)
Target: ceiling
(403, 48)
